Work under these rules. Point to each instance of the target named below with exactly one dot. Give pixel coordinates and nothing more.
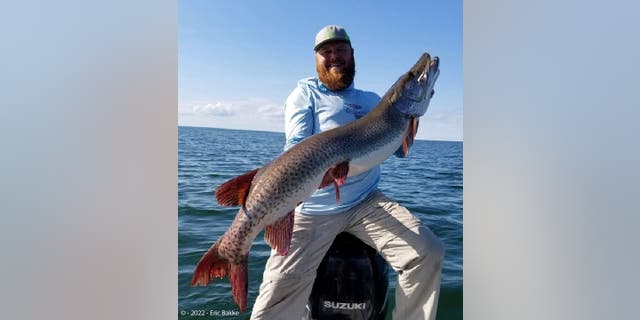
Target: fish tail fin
(238, 276)
(212, 265)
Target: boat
(351, 283)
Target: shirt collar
(323, 88)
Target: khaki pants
(411, 249)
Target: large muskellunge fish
(269, 195)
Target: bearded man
(411, 249)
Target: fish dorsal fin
(278, 235)
(410, 135)
(234, 192)
(336, 175)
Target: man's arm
(298, 117)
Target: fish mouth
(430, 70)
(422, 78)
(427, 78)
(418, 87)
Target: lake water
(428, 183)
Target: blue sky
(239, 60)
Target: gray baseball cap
(330, 33)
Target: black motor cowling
(351, 283)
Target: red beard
(337, 79)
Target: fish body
(269, 195)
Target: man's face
(335, 65)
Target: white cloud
(272, 111)
(247, 114)
(218, 109)
(262, 107)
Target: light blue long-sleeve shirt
(312, 108)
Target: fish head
(412, 93)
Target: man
(412, 250)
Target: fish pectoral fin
(340, 173)
(278, 235)
(410, 135)
(235, 191)
(336, 175)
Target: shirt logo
(357, 110)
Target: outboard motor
(351, 283)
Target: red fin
(340, 173)
(212, 266)
(336, 175)
(278, 235)
(238, 277)
(234, 192)
(414, 130)
(326, 180)
(410, 135)
(335, 186)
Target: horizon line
(197, 126)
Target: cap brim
(331, 40)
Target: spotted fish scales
(268, 196)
